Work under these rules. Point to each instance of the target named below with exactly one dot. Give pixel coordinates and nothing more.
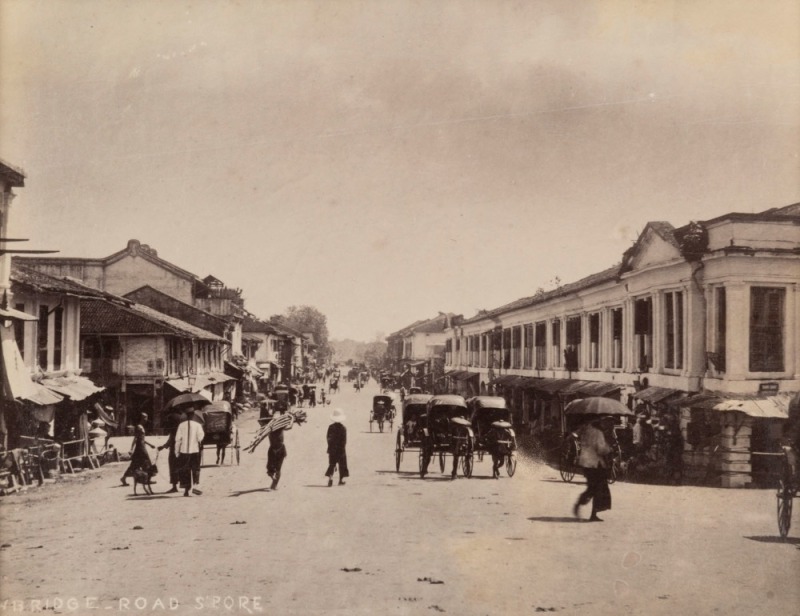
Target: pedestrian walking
(597, 443)
(188, 445)
(140, 458)
(277, 453)
(337, 448)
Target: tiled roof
(44, 283)
(436, 324)
(104, 318)
(606, 275)
(252, 324)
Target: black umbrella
(184, 399)
(597, 405)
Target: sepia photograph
(400, 307)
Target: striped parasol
(279, 422)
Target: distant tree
(307, 319)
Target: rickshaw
(382, 411)
(410, 434)
(220, 430)
(494, 433)
(447, 431)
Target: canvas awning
(73, 386)
(200, 383)
(599, 388)
(551, 386)
(234, 370)
(10, 313)
(16, 377)
(41, 395)
(764, 407)
(463, 375)
(655, 394)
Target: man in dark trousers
(337, 443)
(597, 443)
(277, 451)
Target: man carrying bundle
(274, 429)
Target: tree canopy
(307, 319)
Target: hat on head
(338, 415)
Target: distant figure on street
(337, 443)
(357, 385)
(597, 443)
(188, 445)
(140, 458)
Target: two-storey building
(702, 320)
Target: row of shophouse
(415, 354)
(700, 322)
(118, 336)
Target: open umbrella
(597, 405)
(184, 399)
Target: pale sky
(384, 161)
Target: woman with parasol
(597, 444)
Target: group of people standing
(185, 442)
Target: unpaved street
(389, 543)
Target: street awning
(462, 375)
(41, 395)
(655, 394)
(73, 386)
(10, 313)
(201, 381)
(764, 407)
(551, 386)
(16, 377)
(503, 379)
(599, 388)
(234, 370)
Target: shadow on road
(147, 497)
(775, 539)
(397, 472)
(240, 492)
(578, 482)
(554, 519)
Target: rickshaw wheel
(422, 464)
(398, 453)
(566, 465)
(784, 509)
(511, 464)
(441, 462)
(236, 449)
(467, 465)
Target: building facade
(711, 308)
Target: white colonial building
(705, 317)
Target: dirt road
(389, 543)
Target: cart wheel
(467, 465)
(511, 464)
(441, 462)
(784, 509)
(566, 463)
